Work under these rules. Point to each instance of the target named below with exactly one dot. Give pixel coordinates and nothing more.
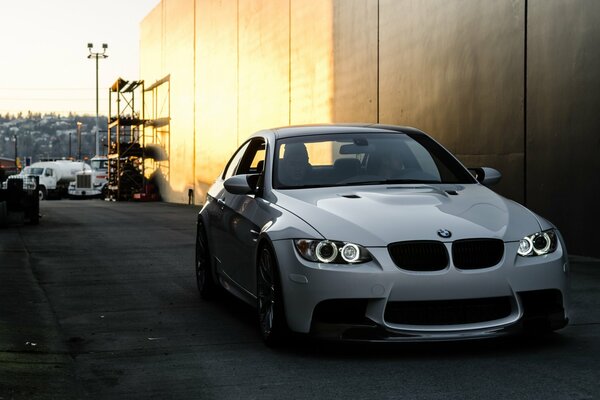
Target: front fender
(285, 225)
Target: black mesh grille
(477, 253)
(419, 256)
(447, 312)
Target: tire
(205, 281)
(43, 194)
(104, 192)
(269, 299)
(3, 214)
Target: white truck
(55, 176)
(92, 182)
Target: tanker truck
(55, 176)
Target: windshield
(32, 171)
(99, 164)
(364, 159)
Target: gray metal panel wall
(511, 84)
(563, 118)
(455, 69)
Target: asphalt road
(99, 302)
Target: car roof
(328, 129)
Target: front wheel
(271, 314)
(204, 277)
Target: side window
(251, 161)
(235, 161)
(258, 162)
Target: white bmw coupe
(374, 232)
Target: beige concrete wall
(179, 51)
(311, 61)
(243, 69)
(216, 89)
(264, 65)
(455, 68)
(167, 48)
(151, 34)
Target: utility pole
(79, 141)
(97, 56)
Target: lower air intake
(448, 312)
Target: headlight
(538, 244)
(332, 252)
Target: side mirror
(241, 184)
(486, 176)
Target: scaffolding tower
(126, 140)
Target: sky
(44, 65)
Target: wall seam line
(194, 113)
(525, 103)
(290, 62)
(378, 50)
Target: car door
(244, 215)
(218, 214)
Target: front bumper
(381, 301)
(84, 192)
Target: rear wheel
(271, 314)
(43, 194)
(204, 276)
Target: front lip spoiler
(369, 331)
(376, 333)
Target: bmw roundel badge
(445, 233)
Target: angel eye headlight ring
(350, 252)
(538, 244)
(326, 251)
(331, 252)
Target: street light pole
(97, 56)
(79, 141)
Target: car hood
(383, 214)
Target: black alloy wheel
(271, 316)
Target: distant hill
(47, 136)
